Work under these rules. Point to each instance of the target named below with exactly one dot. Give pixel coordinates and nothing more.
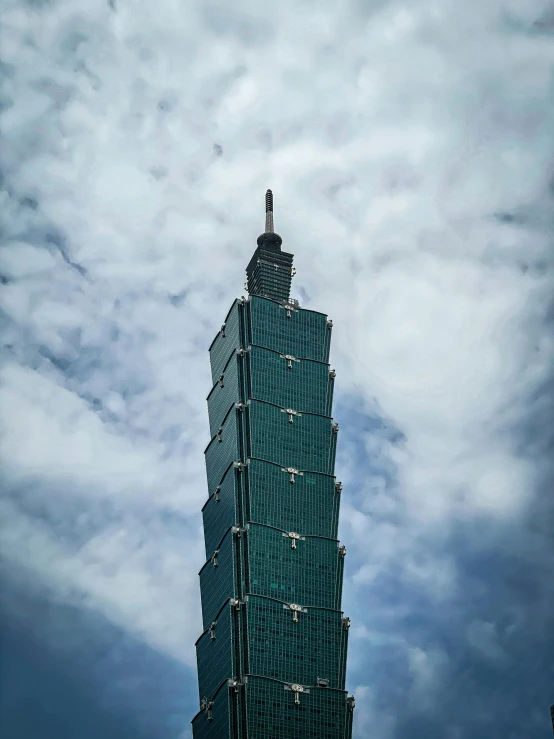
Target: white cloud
(51, 434)
(119, 573)
(369, 717)
(483, 637)
(408, 149)
(425, 668)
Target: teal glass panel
(273, 714)
(218, 582)
(305, 386)
(218, 725)
(305, 444)
(220, 511)
(301, 652)
(333, 450)
(215, 654)
(224, 393)
(226, 341)
(220, 454)
(305, 334)
(310, 575)
(310, 504)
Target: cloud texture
(409, 147)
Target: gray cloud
(410, 152)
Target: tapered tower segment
(272, 655)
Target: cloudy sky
(410, 149)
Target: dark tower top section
(270, 270)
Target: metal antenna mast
(269, 212)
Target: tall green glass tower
(272, 656)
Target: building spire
(270, 270)
(269, 239)
(269, 212)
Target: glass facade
(272, 655)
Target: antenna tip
(268, 201)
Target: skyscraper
(272, 656)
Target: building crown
(270, 270)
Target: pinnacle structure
(272, 654)
(270, 270)
(269, 212)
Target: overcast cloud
(409, 146)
